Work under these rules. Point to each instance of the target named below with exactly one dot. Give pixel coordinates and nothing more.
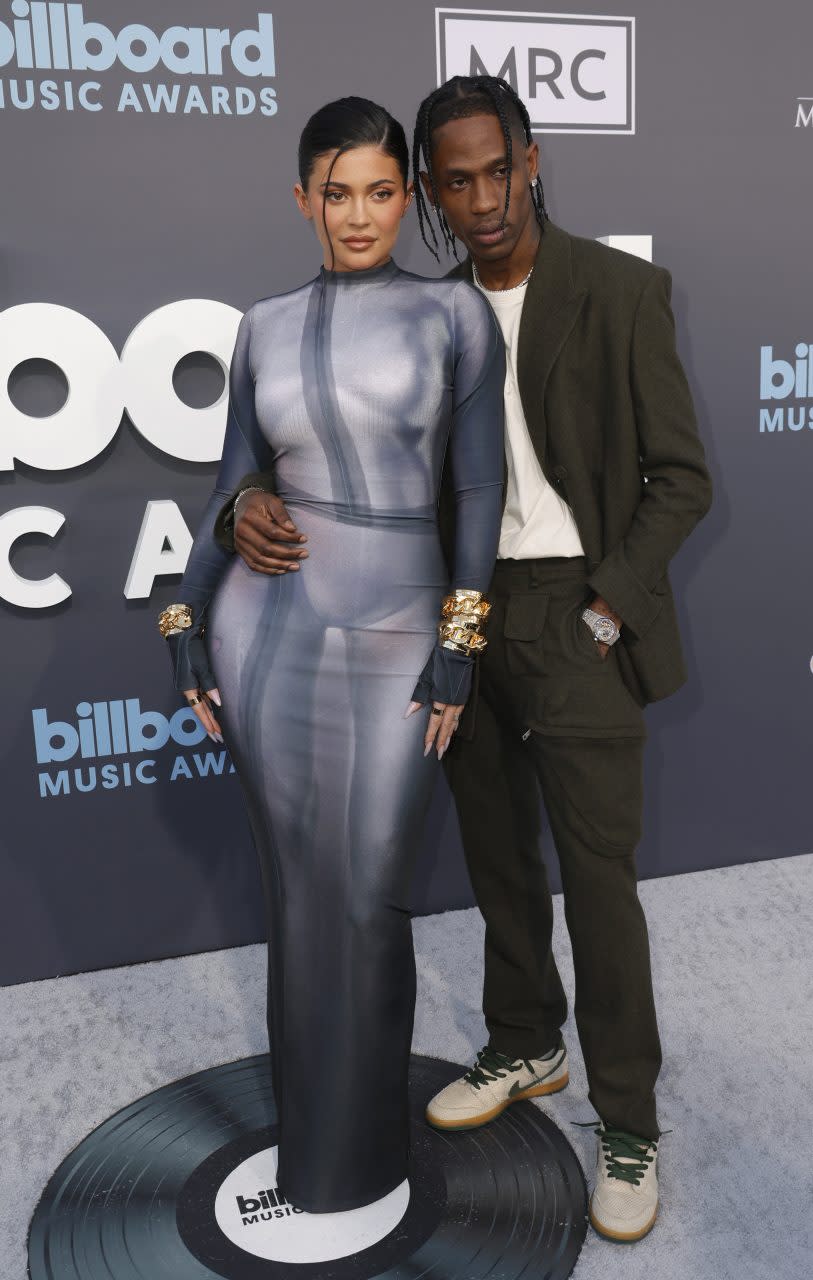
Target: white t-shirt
(536, 521)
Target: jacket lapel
(552, 305)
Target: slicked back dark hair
(348, 123)
(342, 126)
(458, 99)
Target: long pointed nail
(219, 737)
(213, 736)
(411, 709)
(440, 753)
(428, 749)
(215, 696)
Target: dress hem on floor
(339, 1206)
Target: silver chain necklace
(513, 288)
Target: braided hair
(458, 99)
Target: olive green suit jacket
(611, 419)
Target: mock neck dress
(355, 390)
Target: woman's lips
(358, 242)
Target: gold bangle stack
(176, 617)
(463, 615)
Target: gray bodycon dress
(353, 389)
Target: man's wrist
(253, 488)
(604, 624)
(600, 605)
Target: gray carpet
(734, 984)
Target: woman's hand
(445, 675)
(443, 721)
(194, 677)
(200, 703)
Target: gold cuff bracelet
(176, 617)
(462, 616)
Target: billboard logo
(575, 74)
(790, 381)
(112, 728)
(115, 729)
(44, 37)
(804, 113)
(264, 1206)
(56, 37)
(254, 1215)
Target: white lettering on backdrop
(101, 386)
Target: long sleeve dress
(352, 389)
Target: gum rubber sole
(621, 1237)
(476, 1122)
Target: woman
(351, 388)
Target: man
(605, 478)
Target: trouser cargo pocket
(525, 615)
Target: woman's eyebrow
(343, 186)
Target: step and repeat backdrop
(148, 158)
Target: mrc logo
(575, 74)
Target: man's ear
(301, 197)
(427, 188)
(532, 157)
(410, 192)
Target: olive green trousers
(554, 717)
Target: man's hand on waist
(265, 536)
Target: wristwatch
(603, 628)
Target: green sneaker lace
(490, 1066)
(627, 1157)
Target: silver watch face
(605, 630)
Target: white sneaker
(494, 1082)
(624, 1203)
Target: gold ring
(437, 711)
(191, 701)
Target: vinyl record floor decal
(181, 1185)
